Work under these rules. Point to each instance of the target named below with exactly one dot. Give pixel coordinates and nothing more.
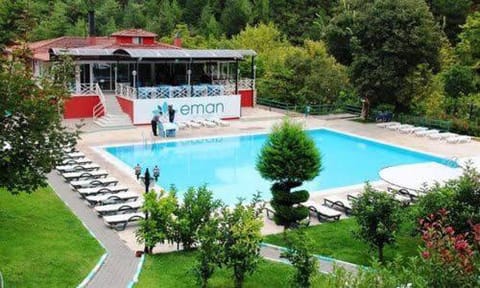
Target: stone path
(121, 263)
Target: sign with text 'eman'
(187, 108)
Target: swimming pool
(227, 164)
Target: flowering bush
(451, 259)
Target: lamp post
(147, 181)
(134, 74)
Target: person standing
(171, 114)
(154, 122)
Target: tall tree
(468, 49)
(288, 158)
(236, 15)
(390, 39)
(15, 21)
(451, 14)
(32, 134)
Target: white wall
(188, 108)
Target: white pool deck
(258, 120)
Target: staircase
(114, 117)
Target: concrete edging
(93, 272)
(137, 274)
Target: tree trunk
(380, 253)
(239, 277)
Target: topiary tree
(377, 214)
(289, 157)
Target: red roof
(134, 33)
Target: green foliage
(468, 49)
(31, 125)
(240, 240)
(377, 214)
(300, 256)
(451, 14)
(390, 39)
(208, 257)
(288, 158)
(158, 227)
(15, 21)
(236, 15)
(198, 204)
(459, 81)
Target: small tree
(158, 227)
(299, 255)
(241, 238)
(208, 251)
(288, 158)
(198, 205)
(377, 214)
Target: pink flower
(449, 230)
(426, 255)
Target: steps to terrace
(114, 117)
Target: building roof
(134, 33)
(158, 53)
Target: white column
(78, 87)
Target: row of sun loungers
(197, 123)
(113, 202)
(425, 132)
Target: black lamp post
(147, 180)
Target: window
(137, 40)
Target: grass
(175, 270)
(42, 244)
(336, 240)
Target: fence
(320, 109)
(425, 122)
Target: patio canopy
(419, 176)
(157, 53)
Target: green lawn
(42, 244)
(174, 270)
(336, 240)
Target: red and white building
(130, 70)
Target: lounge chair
(459, 139)
(193, 124)
(181, 125)
(85, 175)
(74, 155)
(412, 195)
(119, 222)
(78, 161)
(322, 212)
(77, 168)
(102, 182)
(120, 208)
(111, 198)
(400, 126)
(101, 190)
(426, 132)
(219, 122)
(386, 124)
(441, 136)
(405, 200)
(271, 213)
(205, 123)
(338, 203)
(410, 130)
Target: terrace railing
(229, 84)
(125, 90)
(167, 91)
(82, 89)
(100, 109)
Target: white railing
(99, 109)
(125, 90)
(166, 91)
(229, 84)
(83, 89)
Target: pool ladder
(146, 142)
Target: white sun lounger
(386, 124)
(78, 161)
(410, 130)
(193, 124)
(338, 203)
(322, 212)
(397, 196)
(400, 126)
(118, 208)
(181, 125)
(120, 221)
(441, 136)
(101, 190)
(219, 122)
(111, 198)
(77, 168)
(459, 139)
(205, 123)
(85, 175)
(74, 155)
(426, 132)
(101, 182)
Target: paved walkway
(121, 263)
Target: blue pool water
(227, 164)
